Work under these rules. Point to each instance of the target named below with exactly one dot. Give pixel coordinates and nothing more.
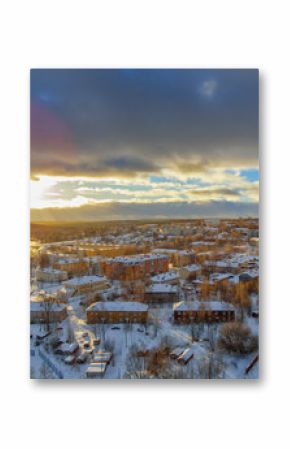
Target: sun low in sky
(150, 143)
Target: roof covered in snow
(83, 280)
(191, 268)
(163, 277)
(49, 270)
(141, 258)
(205, 305)
(118, 306)
(161, 288)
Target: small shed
(96, 370)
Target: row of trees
(238, 294)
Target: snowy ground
(207, 362)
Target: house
(170, 277)
(218, 279)
(161, 293)
(221, 266)
(117, 312)
(94, 264)
(209, 311)
(190, 272)
(47, 312)
(50, 275)
(56, 293)
(86, 284)
(134, 267)
(72, 265)
(107, 250)
(184, 257)
(96, 370)
(170, 253)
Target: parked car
(176, 353)
(82, 358)
(67, 348)
(96, 341)
(185, 357)
(70, 359)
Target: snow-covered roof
(204, 305)
(68, 260)
(102, 357)
(96, 368)
(220, 276)
(186, 354)
(201, 243)
(249, 274)
(191, 268)
(221, 263)
(83, 280)
(49, 270)
(118, 306)
(93, 259)
(140, 258)
(186, 252)
(164, 250)
(163, 277)
(161, 288)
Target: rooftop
(168, 276)
(49, 270)
(83, 280)
(118, 306)
(193, 267)
(206, 305)
(161, 288)
(137, 259)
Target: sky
(144, 143)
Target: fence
(51, 365)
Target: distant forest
(60, 231)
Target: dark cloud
(141, 120)
(217, 191)
(123, 166)
(126, 211)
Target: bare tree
(210, 367)
(134, 364)
(44, 372)
(237, 337)
(212, 331)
